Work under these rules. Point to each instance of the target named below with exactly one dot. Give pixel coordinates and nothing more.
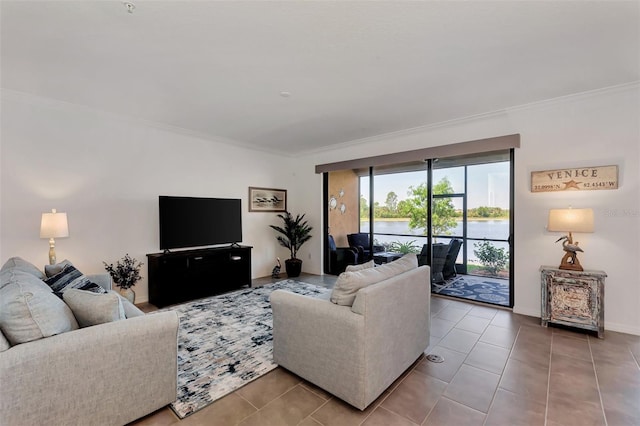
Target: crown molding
(36, 100)
(56, 103)
(477, 117)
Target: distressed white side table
(573, 298)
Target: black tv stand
(176, 277)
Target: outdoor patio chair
(443, 265)
(360, 242)
(340, 257)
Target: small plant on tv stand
(295, 232)
(125, 274)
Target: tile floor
(500, 368)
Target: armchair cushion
(348, 283)
(360, 267)
(91, 308)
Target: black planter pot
(293, 267)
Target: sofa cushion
(130, 310)
(30, 311)
(69, 277)
(18, 264)
(4, 343)
(360, 267)
(348, 283)
(92, 308)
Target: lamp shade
(570, 220)
(54, 225)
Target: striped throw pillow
(70, 277)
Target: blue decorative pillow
(70, 277)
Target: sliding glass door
(409, 208)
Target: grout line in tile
(393, 412)
(249, 402)
(593, 365)
(317, 409)
(502, 376)
(546, 405)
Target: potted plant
(125, 274)
(294, 233)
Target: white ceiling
(353, 69)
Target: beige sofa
(106, 374)
(355, 352)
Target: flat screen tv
(195, 222)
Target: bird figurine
(570, 258)
(275, 273)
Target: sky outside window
(488, 184)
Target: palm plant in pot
(295, 232)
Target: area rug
(481, 289)
(225, 342)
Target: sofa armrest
(319, 341)
(108, 374)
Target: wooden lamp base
(570, 261)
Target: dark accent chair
(360, 242)
(444, 260)
(340, 257)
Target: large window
(470, 200)
(409, 201)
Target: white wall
(106, 172)
(594, 129)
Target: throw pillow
(29, 311)
(69, 277)
(51, 270)
(92, 308)
(348, 283)
(366, 265)
(18, 264)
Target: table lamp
(53, 225)
(570, 220)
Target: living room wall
(106, 172)
(591, 129)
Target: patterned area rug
(481, 289)
(225, 342)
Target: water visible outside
(480, 229)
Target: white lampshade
(570, 220)
(54, 225)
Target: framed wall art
(267, 200)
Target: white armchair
(354, 352)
